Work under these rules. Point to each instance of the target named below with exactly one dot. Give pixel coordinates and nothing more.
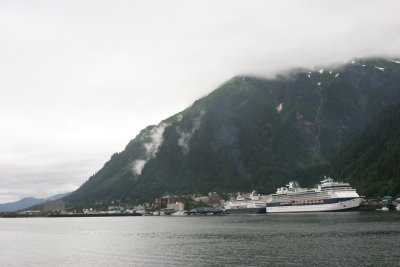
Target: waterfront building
(162, 202)
(53, 205)
(177, 206)
(214, 199)
(204, 199)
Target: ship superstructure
(327, 196)
(252, 205)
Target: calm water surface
(323, 239)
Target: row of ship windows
(302, 202)
(337, 188)
(302, 193)
(302, 197)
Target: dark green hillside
(371, 162)
(250, 133)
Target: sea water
(317, 239)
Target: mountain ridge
(28, 202)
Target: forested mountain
(371, 161)
(250, 133)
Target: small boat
(179, 213)
(384, 208)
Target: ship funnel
(293, 185)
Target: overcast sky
(79, 79)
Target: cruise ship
(241, 205)
(327, 196)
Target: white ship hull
(348, 204)
(252, 205)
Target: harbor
(327, 196)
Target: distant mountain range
(256, 133)
(28, 202)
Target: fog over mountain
(81, 79)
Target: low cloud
(156, 139)
(185, 136)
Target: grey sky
(79, 79)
